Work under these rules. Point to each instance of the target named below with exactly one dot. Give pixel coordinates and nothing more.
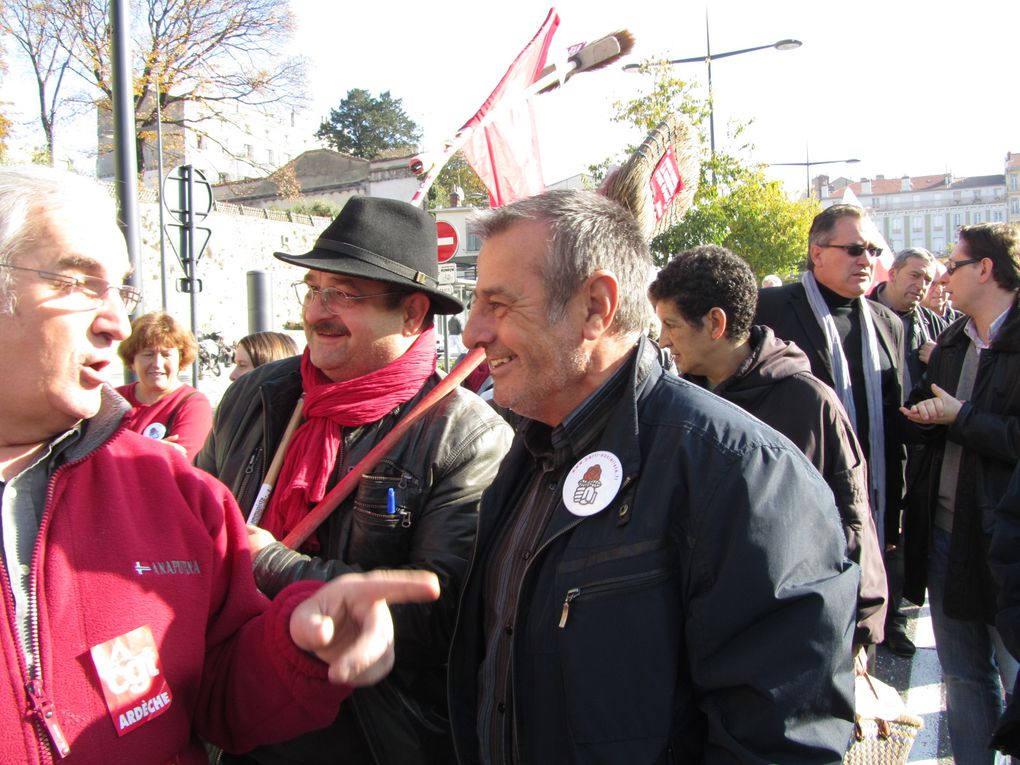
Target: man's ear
(416, 308)
(715, 322)
(601, 293)
(986, 270)
(814, 254)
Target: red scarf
(329, 407)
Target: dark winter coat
(787, 311)
(705, 615)
(988, 428)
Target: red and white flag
(503, 147)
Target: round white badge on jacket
(156, 430)
(592, 483)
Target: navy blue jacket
(712, 605)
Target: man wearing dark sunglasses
(966, 410)
(855, 345)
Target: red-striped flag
(503, 146)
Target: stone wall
(238, 243)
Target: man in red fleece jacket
(133, 625)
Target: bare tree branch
(204, 52)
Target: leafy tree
(44, 38)
(318, 207)
(216, 53)
(736, 206)
(458, 173)
(367, 127)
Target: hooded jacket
(133, 537)
(775, 384)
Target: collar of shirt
(971, 329)
(568, 440)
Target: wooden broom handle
(342, 490)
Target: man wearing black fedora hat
(368, 299)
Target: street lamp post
(808, 164)
(787, 44)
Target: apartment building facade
(927, 210)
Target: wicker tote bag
(883, 730)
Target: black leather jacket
(705, 615)
(439, 470)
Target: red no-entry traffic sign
(448, 240)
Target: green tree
(457, 173)
(365, 126)
(736, 206)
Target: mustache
(329, 327)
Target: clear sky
(906, 86)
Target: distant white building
(927, 210)
(1013, 185)
(241, 142)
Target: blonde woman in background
(260, 348)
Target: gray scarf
(872, 388)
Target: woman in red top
(163, 407)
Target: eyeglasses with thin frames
(92, 287)
(952, 265)
(333, 300)
(856, 250)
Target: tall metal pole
(159, 193)
(125, 162)
(807, 169)
(711, 98)
(192, 280)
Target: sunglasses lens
(855, 250)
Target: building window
(917, 223)
(977, 217)
(271, 155)
(249, 151)
(1014, 184)
(1014, 206)
(938, 223)
(474, 243)
(897, 225)
(956, 220)
(200, 141)
(996, 215)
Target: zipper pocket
(631, 581)
(401, 518)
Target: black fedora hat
(382, 239)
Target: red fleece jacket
(185, 413)
(132, 536)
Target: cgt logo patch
(132, 678)
(592, 483)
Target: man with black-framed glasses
(854, 345)
(966, 411)
(367, 298)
